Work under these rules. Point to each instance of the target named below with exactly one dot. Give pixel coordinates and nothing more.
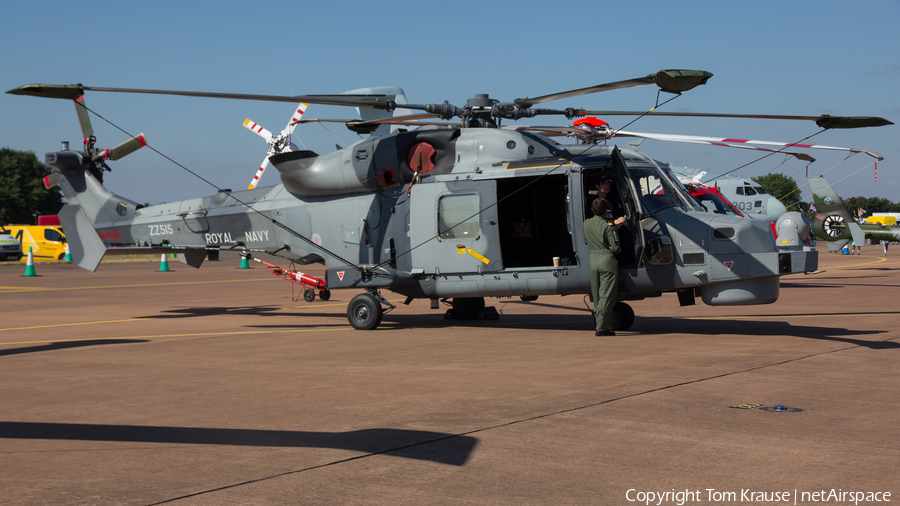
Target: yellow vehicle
(46, 242)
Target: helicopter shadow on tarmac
(262, 311)
(658, 325)
(192, 312)
(541, 304)
(575, 319)
(68, 345)
(807, 285)
(439, 447)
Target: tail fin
(833, 222)
(369, 113)
(88, 204)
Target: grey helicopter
(445, 212)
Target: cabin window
(458, 216)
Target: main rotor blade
(671, 81)
(546, 131)
(377, 101)
(65, 91)
(396, 120)
(702, 140)
(73, 91)
(824, 121)
(733, 142)
(123, 149)
(83, 118)
(365, 127)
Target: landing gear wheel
(325, 294)
(467, 308)
(623, 316)
(309, 295)
(364, 312)
(528, 298)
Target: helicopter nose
(774, 209)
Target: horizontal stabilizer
(837, 245)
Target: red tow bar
(309, 283)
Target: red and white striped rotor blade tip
(259, 173)
(258, 130)
(297, 116)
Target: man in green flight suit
(604, 245)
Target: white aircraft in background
(746, 195)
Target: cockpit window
(658, 189)
(760, 190)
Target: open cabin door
(628, 193)
(453, 227)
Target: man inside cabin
(602, 189)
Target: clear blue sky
(774, 57)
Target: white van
(10, 248)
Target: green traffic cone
(164, 264)
(245, 260)
(68, 257)
(29, 264)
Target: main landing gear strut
(365, 311)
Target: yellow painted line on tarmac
(320, 329)
(147, 318)
(156, 317)
(21, 288)
(315, 306)
(74, 324)
(134, 286)
(876, 261)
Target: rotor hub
(481, 101)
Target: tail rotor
(277, 143)
(97, 156)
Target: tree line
(22, 192)
(785, 189)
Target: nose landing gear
(365, 312)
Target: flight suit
(604, 245)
